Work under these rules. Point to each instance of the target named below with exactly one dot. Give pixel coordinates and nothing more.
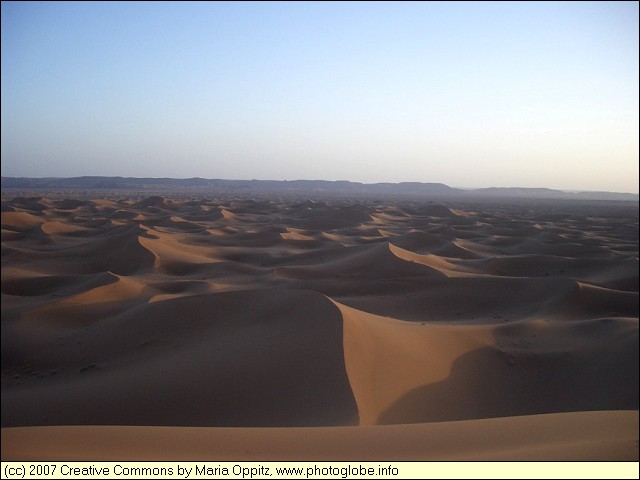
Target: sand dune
(20, 221)
(352, 330)
(578, 436)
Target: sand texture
(167, 328)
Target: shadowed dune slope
(247, 358)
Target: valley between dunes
(166, 328)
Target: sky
(477, 94)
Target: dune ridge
(305, 326)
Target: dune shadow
(234, 359)
(487, 383)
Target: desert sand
(275, 329)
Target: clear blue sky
(469, 94)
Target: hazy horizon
(472, 95)
(468, 188)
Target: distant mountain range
(299, 186)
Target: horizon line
(572, 190)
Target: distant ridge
(551, 193)
(300, 186)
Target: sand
(276, 329)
